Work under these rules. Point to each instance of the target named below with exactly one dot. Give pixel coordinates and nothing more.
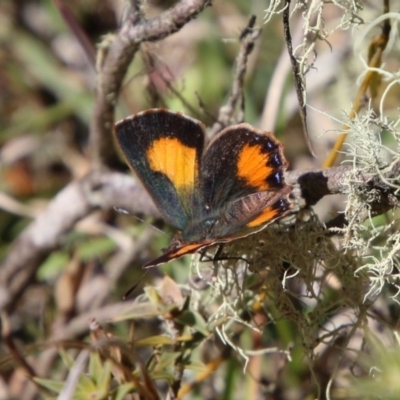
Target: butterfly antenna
(152, 226)
(129, 292)
(126, 212)
(121, 210)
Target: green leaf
(194, 320)
(138, 311)
(166, 360)
(53, 265)
(87, 388)
(49, 384)
(40, 63)
(158, 340)
(96, 247)
(66, 358)
(123, 390)
(103, 379)
(96, 366)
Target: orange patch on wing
(175, 160)
(267, 215)
(252, 166)
(187, 249)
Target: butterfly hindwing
(250, 213)
(164, 149)
(246, 182)
(240, 161)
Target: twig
(81, 197)
(79, 325)
(211, 367)
(107, 190)
(299, 80)
(103, 190)
(112, 70)
(312, 185)
(9, 342)
(273, 97)
(76, 29)
(233, 111)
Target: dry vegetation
(306, 309)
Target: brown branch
(235, 102)
(46, 233)
(298, 76)
(106, 190)
(76, 30)
(13, 349)
(313, 185)
(62, 334)
(99, 189)
(209, 369)
(117, 57)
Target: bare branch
(314, 184)
(298, 76)
(235, 103)
(106, 190)
(103, 190)
(117, 57)
(99, 189)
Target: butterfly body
(212, 194)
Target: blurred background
(47, 89)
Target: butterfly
(212, 193)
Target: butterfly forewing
(164, 150)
